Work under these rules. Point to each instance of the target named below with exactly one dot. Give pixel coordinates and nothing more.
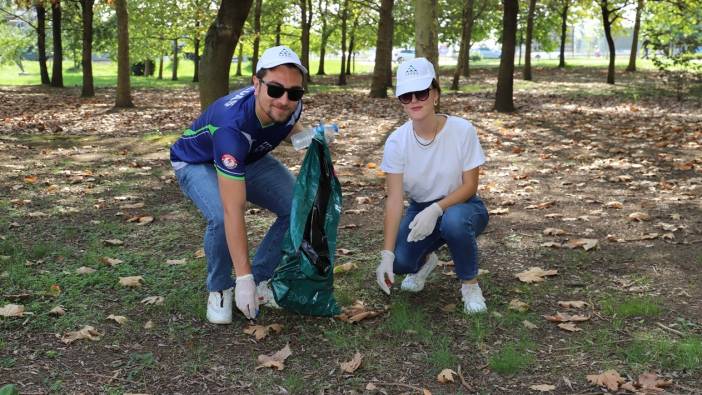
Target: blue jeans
(458, 228)
(269, 184)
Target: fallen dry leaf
(446, 376)
(352, 365)
(543, 387)
(120, 319)
(614, 204)
(12, 310)
(357, 312)
(529, 325)
(499, 211)
(552, 244)
(564, 317)
(535, 275)
(541, 206)
(554, 232)
(639, 217)
(149, 325)
(346, 267)
(275, 360)
(87, 332)
(518, 305)
(175, 262)
(85, 270)
(344, 251)
(575, 304)
(569, 326)
(57, 311)
(586, 244)
(371, 165)
(260, 331)
(356, 211)
(131, 281)
(156, 300)
(363, 200)
(609, 379)
(650, 381)
(113, 242)
(141, 220)
(200, 253)
(449, 308)
(110, 261)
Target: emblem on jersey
(229, 161)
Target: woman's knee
(404, 262)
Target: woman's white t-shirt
(432, 172)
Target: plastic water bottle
(303, 139)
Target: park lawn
(77, 173)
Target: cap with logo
(276, 56)
(414, 75)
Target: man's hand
(245, 296)
(423, 223)
(384, 274)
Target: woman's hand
(384, 274)
(424, 223)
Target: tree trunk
(174, 72)
(220, 41)
(505, 78)
(278, 28)
(160, 67)
(383, 50)
(197, 58)
(257, 35)
(352, 41)
(324, 36)
(41, 44)
(607, 22)
(426, 32)
(464, 48)
(124, 94)
(239, 59)
(564, 31)
(306, 18)
(88, 89)
(148, 67)
(344, 18)
(57, 69)
(529, 37)
(635, 40)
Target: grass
(652, 350)
(629, 307)
(442, 356)
(408, 320)
(512, 358)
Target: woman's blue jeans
(458, 228)
(269, 184)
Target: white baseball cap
(414, 75)
(276, 56)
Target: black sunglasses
(275, 91)
(406, 98)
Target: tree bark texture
(57, 69)
(257, 35)
(426, 31)
(505, 78)
(88, 89)
(196, 44)
(306, 17)
(160, 67)
(124, 93)
(344, 25)
(352, 40)
(41, 43)
(222, 37)
(174, 71)
(464, 48)
(607, 22)
(383, 50)
(529, 37)
(635, 39)
(239, 59)
(564, 31)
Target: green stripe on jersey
(207, 128)
(231, 177)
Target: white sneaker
(265, 296)
(473, 300)
(219, 307)
(415, 282)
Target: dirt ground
(579, 162)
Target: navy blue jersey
(230, 135)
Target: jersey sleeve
(393, 160)
(231, 148)
(473, 152)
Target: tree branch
(18, 17)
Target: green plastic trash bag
(303, 282)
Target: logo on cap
(229, 161)
(411, 71)
(284, 53)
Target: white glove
(423, 223)
(385, 269)
(245, 296)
